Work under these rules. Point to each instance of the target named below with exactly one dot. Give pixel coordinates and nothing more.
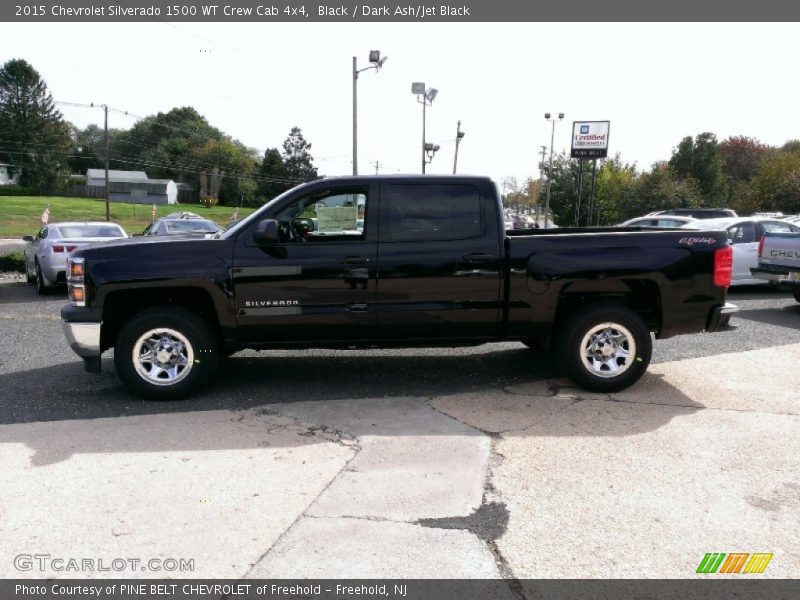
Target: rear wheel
(604, 348)
(29, 276)
(166, 353)
(42, 286)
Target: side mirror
(27, 238)
(266, 232)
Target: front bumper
(83, 338)
(719, 318)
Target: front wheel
(604, 348)
(166, 353)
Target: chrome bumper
(83, 338)
(720, 316)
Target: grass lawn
(22, 215)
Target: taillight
(760, 246)
(58, 248)
(723, 266)
(76, 281)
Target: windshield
(90, 231)
(191, 226)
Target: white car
(46, 254)
(745, 233)
(660, 221)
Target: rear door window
(743, 233)
(435, 212)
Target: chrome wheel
(163, 356)
(608, 350)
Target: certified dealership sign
(590, 139)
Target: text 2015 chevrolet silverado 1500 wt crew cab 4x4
(361, 262)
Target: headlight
(76, 284)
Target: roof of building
(151, 185)
(116, 175)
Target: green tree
(272, 175)
(88, 147)
(777, 181)
(616, 197)
(182, 145)
(36, 138)
(702, 161)
(660, 189)
(298, 162)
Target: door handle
(479, 258)
(354, 260)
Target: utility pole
(377, 164)
(108, 206)
(543, 151)
(459, 135)
(550, 166)
(355, 117)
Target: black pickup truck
(391, 261)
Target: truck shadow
(19, 292)
(53, 410)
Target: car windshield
(90, 231)
(191, 226)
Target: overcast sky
(655, 82)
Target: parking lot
(476, 462)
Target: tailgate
(780, 250)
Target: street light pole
(425, 97)
(376, 62)
(355, 117)
(550, 167)
(424, 162)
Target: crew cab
(779, 260)
(430, 265)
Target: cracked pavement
(506, 477)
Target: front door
(318, 281)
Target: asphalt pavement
(467, 462)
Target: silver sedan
(46, 254)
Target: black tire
(31, 279)
(796, 292)
(186, 337)
(625, 331)
(41, 287)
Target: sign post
(589, 140)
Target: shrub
(15, 190)
(13, 262)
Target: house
(133, 187)
(5, 177)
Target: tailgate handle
(354, 260)
(479, 258)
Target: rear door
(439, 256)
(744, 237)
